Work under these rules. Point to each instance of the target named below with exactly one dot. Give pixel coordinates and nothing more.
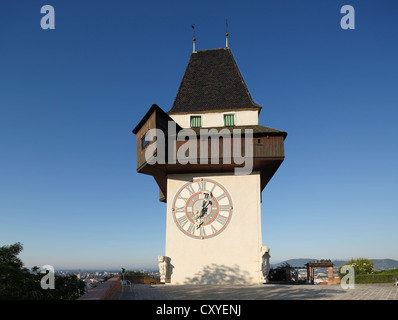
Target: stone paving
(258, 292)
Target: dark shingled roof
(211, 82)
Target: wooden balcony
(203, 151)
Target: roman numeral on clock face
(191, 190)
(191, 229)
(202, 185)
(182, 220)
(180, 209)
(213, 229)
(224, 207)
(221, 219)
(222, 196)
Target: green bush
(360, 265)
(364, 272)
(388, 271)
(374, 278)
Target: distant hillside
(379, 264)
(384, 264)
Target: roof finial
(194, 39)
(226, 33)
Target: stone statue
(164, 269)
(265, 266)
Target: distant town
(92, 277)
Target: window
(229, 120)
(196, 121)
(144, 142)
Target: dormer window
(196, 121)
(229, 120)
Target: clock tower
(211, 160)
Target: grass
(390, 271)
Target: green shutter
(196, 121)
(229, 120)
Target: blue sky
(69, 98)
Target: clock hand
(206, 200)
(198, 220)
(200, 213)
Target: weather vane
(194, 39)
(226, 33)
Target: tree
(18, 282)
(135, 273)
(281, 273)
(13, 275)
(360, 265)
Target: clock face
(202, 208)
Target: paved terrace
(257, 292)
